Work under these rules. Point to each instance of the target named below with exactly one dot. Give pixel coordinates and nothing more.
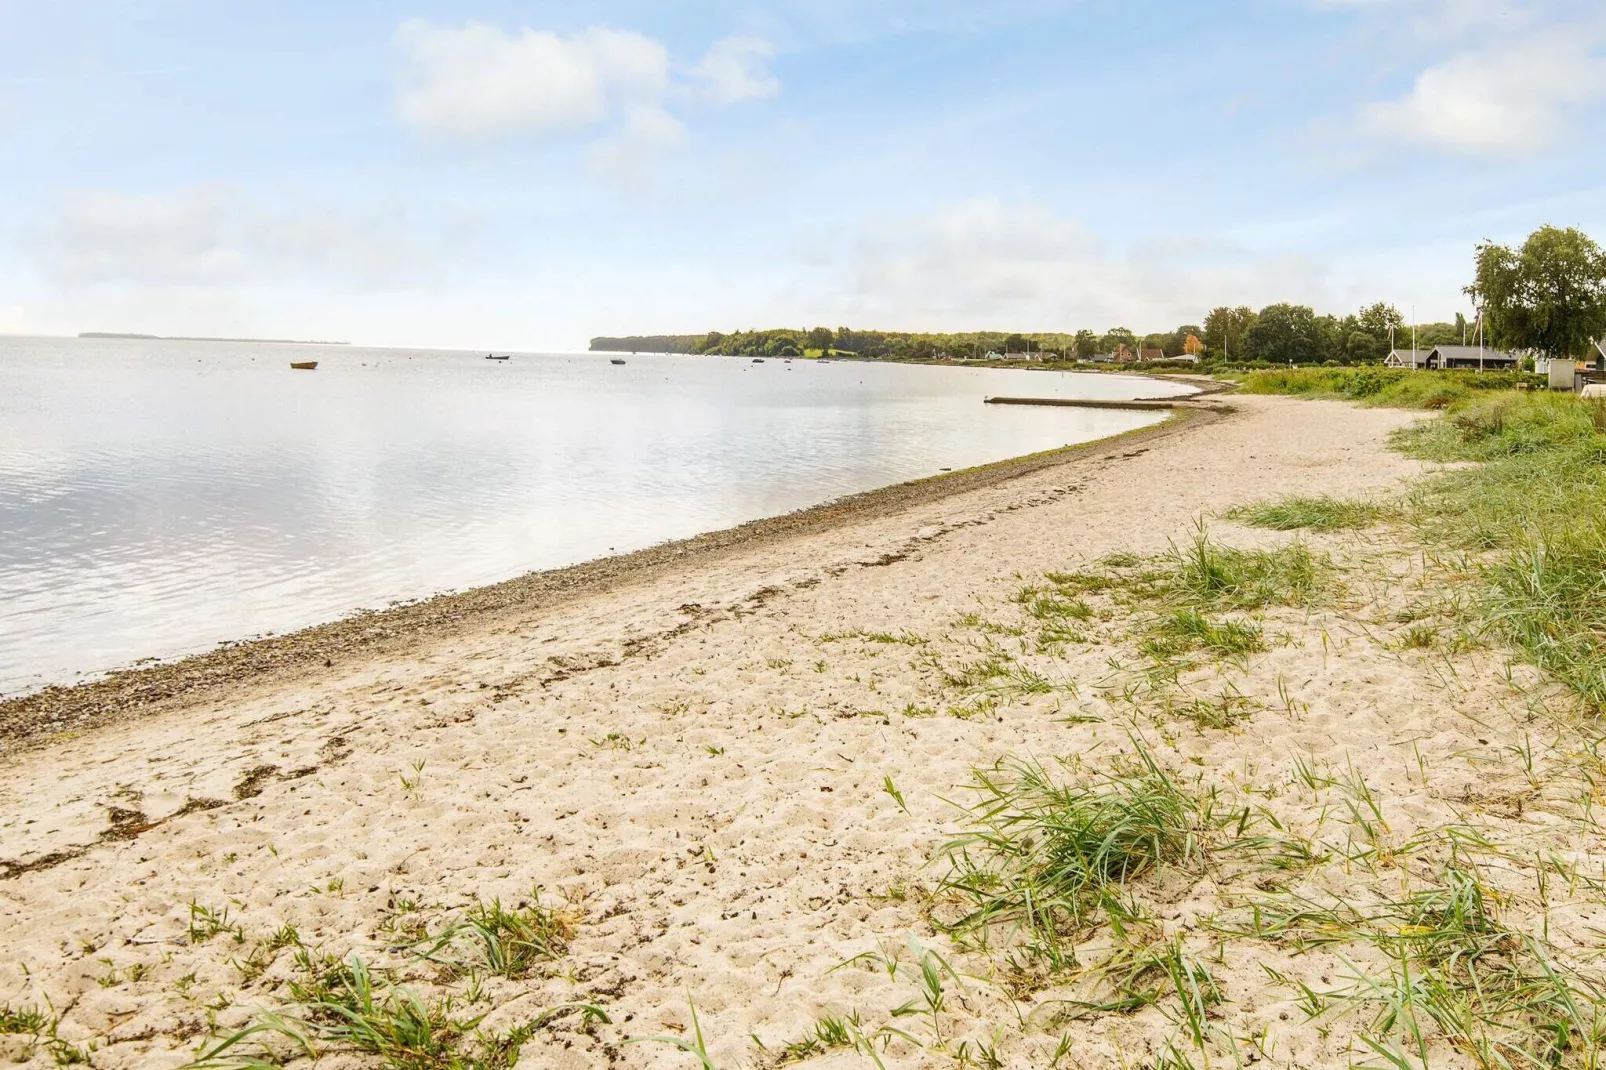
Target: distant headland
(196, 338)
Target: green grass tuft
(1043, 857)
(1188, 630)
(507, 943)
(1206, 575)
(1313, 514)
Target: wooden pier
(1087, 403)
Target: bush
(1398, 388)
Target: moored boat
(304, 365)
(617, 360)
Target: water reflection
(156, 498)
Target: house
(1023, 356)
(1186, 358)
(1124, 355)
(1464, 357)
(1103, 358)
(1152, 354)
(1406, 358)
(1448, 358)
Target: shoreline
(713, 786)
(56, 711)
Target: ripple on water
(157, 498)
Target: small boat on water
(617, 360)
(304, 365)
(494, 356)
(758, 360)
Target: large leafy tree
(1379, 320)
(1225, 329)
(1548, 296)
(1116, 337)
(1284, 334)
(1178, 341)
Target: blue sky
(526, 175)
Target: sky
(485, 173)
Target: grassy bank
(1386, 387)
(1528, 518)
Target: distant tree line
(890, 345)
(1275, 334)
(1547, 297)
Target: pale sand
(694, 766)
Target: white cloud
(990, 263)
(478, 82)
(737, 69)
(627, 157)
(1507, 101)
(211, 235)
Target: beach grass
(1448, 968)
(1526, 506)
(345, 1007)
(332, 1005)
(506, 943)
(1322, 513)
(1043, 857)
(1379, 387)
(1198, 600)
(1532, 516)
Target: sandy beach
(734, 769)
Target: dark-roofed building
(1406, 358)
(1449, 358)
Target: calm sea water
(157, 498)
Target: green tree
(1379, 319)
(1284, 334)
(1015, 344)
(1329, 339)
(1225, 329)
(1548, 296)
(1087, 345)
(1363, 347)
(821, 338)
(1116, 337)
(1178, 341)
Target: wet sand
(135, 692)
